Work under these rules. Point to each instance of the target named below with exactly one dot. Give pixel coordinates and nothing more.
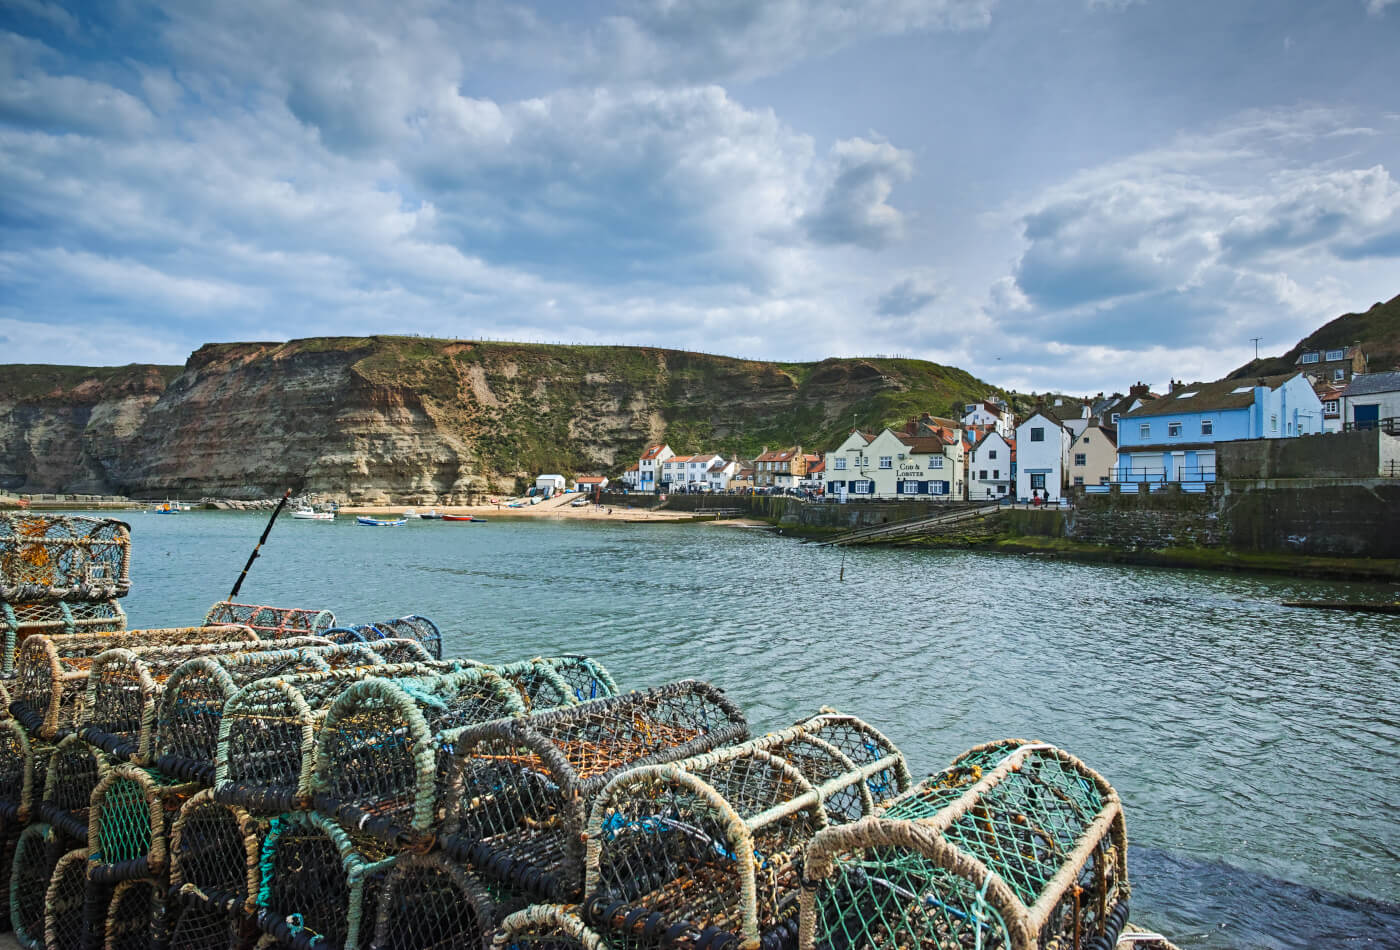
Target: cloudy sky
(1067, 194)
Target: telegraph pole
(1256, 340)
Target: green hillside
(1377, 330)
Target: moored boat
(310, 514)
(380, 522)
(431, 515)
(462, 518)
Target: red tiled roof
(590, 479)
(653, 450)
(817, 466)
(678, 459)
(632, 468)
(777, 455)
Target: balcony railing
(1390, 425)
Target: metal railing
(1159, 475)
(1389, 425)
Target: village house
(649, 466)
(992, 411)
(1172, 439)
(742, 480)
(550, 484)
(1042, 451)
(1332, 365)
(1372, 400)
(925, 460)
(590, 483)
(815, 479)
(629, 477)
(991, 467)
(1330, 395)
(1093, 455)
(780, 468)
(721, 474)
(844, 465)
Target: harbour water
(1254, 746)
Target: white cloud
(1377, 7)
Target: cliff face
(395, 419)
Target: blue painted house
(1173, 439)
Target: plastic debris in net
(587, 678)
(52, 671)
(272, 623)
(431, 901)
(705, 850)
(1021, 850)
(64, 618)
(124, 687)
(49, 558)
(73, 771)
(547, 927)
(384, 749)
(267, 735)
(520, 789)
(318, 885)
(129, 821)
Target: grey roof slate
(1367, 383)
(1205, 397)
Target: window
(1273, 423)
(1338, 375)
(1145, 429)
(1207, 427)
(1079, 479)
(935, 462)
(861, 487)
(982, 474)
(886, 462)
(992, 454)
(1103, 479)
(1309, 357)
(996, 474)
(1038, 434)
(908, 488)
(1038, 481)
(1329, 406)
(840, 464)
(1173, 430)
(1081, 458)
(1336, 355)
(1113, 419)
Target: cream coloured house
(1093, 455)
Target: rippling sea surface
(1255, 746)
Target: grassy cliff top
(1377, 330)
(38, 381)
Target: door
(1367, 416)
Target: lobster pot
(128, 823)
(712, 842)
(267, 736)
(135, 916)
(65, 618)
(395, 650)
(430, 901)
(318, 882)
(37, 851)
(124, 686)
(52, 671)
(547, 927)
(587, 678)
(271, 623)
(191, 705)
(982, 758)
(73, 771)
(539, 683)
(521, 788)
(412, 627)
(23, 764)
(1030, 854)
(9, 836)
(214, 850)
(72, 915)
(193, 925)
(827, 748)
(384, 750)
(50, 558)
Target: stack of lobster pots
(270, 779)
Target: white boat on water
(409, 513)
(310, 514)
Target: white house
(649, 466)
(1370, 399)
(990, 467)
(896, 465)
(629, 477)
(590, 483)
(721, 473)
(844, 464)
(550, 483)
(990, 412)
(1042, 450)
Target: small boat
(431, 515)
(166, 508)
(380, 522)
(462, 518)
(309, 514)
(409, 513)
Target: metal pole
(261, 541)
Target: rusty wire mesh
(520, 788)
(64, 618)
(48, 558)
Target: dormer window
(1336, 355)
(1310, 357)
